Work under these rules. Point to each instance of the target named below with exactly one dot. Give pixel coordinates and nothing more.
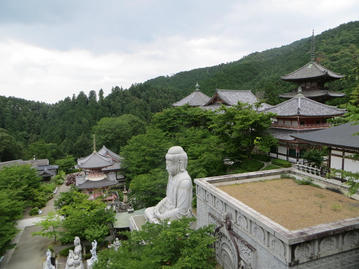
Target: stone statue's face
(172, 167)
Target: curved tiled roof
(313, 94)
(232, 97)
(106, 152)
(310, 71)
(94, 160)
(196, 98)
(300, 105)
(342, 135)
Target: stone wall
(247, 239)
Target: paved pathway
(30, 249)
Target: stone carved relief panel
(277, 247)
(351, 240)
(219, 206)
(232, 251)
(258, 233)
(303, 252)
(242, 222)
(200, 192)
(328, 246)
(209, 199)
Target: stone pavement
(30, 251)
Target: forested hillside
(30, 128)
(336, 49)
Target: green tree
(9, 149)
(149, 189)
(11, 209)
(145, 152)
(87, 219)
(240, 127)
(22, 180)
(165, 245)
(115, 132)
(42, 150)
(66, 164)
(49, 226)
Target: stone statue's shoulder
(186, 181)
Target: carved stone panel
(328, 246)
(258, 233)
(277, 247)
(351, 240)
(242, 222)
(303, 252)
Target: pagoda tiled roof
(232, 97)
(300, 105)
(90, 184)
(341, 136)
(109, 153)
(196, 98)
(94, 160)
(313, 94)
(285, 134)
(311, 70)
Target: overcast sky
(52, 49)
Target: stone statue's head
(176, 160)
(76, 241)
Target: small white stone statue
(178, 200)
(116, 244)
(48, 264)
(70, 260)
(93, 258)
(74, 260)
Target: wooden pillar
(287, 151)
(329, 158)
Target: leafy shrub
(247, 165)
(314, 156)
(261, 157)
(282, 163)
(65, 252)
(34, 211)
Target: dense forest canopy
(54, 131)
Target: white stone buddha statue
(178, 200)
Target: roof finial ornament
(197, 86)
(299, 89)
(312, 54)
(94, 143)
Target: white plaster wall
(351, 165)
(337, 152)
(282, 149)
(335, 162)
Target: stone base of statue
(90, 263)
(46, 266)
(136, 222)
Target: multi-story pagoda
(100, 171)
(298, 115)
(312, 78)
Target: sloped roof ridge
(321, 69)
(82, 161)
(296, 99)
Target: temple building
(296, 116)
(342, 142)
(312, 78)
(100, 172)
(230, 98)
(196, 98)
